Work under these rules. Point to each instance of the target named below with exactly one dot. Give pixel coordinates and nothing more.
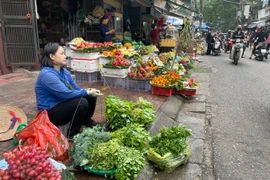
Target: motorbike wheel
(236, 57)
(261, 58)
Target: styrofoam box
(111, 72)
(104, 60)
(145, 58)
(86, 65)
(88, 56)
(68, 51)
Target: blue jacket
(53, 87)
(103, 29)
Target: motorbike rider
(239, 34)
(229, 35)
(209, 41)
(261, 36)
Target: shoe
(242, 56)
(250, 57)
(91, 123)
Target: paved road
(241, 128)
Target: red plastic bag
(46, 135)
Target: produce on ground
(169, 148)
(85, 141)
(29, 162)
(127, 162)
(171, 139)
(134, 136)
(120, 113)
(166, 80)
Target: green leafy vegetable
(118, 112)
(127, 162)
(170, 140)
(103, 157)
(86, 141)
(133, 135)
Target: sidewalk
(172, 110)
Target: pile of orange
(166, 80)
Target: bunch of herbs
(112, 155)
(171, 140)
(133, 135)
(85, 141)
(118, 112)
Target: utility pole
(201, 16)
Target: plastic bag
(46, 135)
(168, 162)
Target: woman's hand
(93, 92)
(112, 31)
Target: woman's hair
(103, 18)
(153, 26)
(49, 48)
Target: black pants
(254, 47)
(209, 48)
(63, 113)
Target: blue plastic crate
(86, 76)
(138, 85)
(115, 82)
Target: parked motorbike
(237, 50)
(216, 47)
(261, 51)
(228, 45)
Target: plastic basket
(137, 85)
(100, 172)
(162, 91)
(115, 82)
(86, 76)
(187, 92)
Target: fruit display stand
(115, 82)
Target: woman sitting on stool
(58, 93)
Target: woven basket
(98, 12)
(6, 130)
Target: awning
(175, 21)
(204, 26)
(149, 16)
(169, 13)
(256, 24)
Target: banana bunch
(76, 41)
(127, 52)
